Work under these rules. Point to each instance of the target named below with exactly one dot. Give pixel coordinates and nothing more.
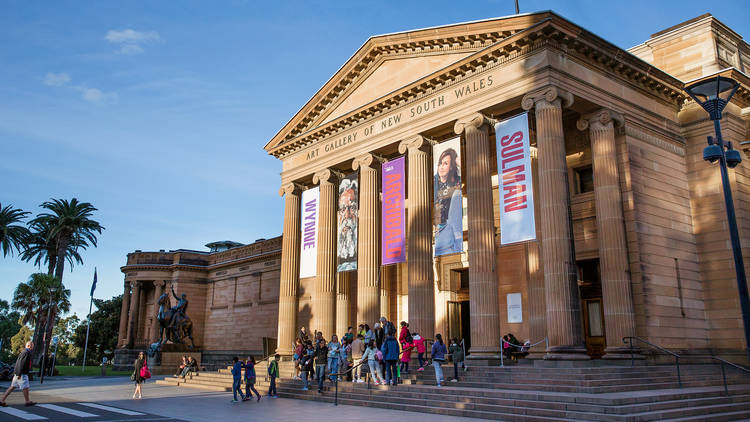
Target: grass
(91, 371)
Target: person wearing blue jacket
(438, 357)
(250, 379)
(236, 379)
(390, 356)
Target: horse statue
(174, 325)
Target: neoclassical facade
(630, 239)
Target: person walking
(137, 377)
(273, 372)
(390, 356)
(457, 354)
(419, 345)
(357, 348)
(21, 376)
(250, 379)
(371, 357)
(236, 379)
(438, 357)
(321, 360)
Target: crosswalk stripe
(112, 409)
(68, 411)
(21, 414)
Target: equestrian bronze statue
(174, 320)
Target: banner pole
(88, 326)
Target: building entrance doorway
(592, 307)
(459, 322)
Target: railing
(336, 377)
(520, 347)
(722, 362)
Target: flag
(93, 285)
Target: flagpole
(88, 324)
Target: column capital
(601, 117)
(415, 142)
(547, 94)
(474, 120)
(291, 188)
(326, 175)
(366, 160)
(159, 283)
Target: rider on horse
(180, 308)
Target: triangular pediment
(386, 63)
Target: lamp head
(712, 153)
(713, 94)
(733, 158)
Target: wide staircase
(524, 392)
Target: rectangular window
(584, 179)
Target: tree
(42, 248)
(9, 326)
(69, 224)
(12, 236)
(18, 341)
(65, 332)
(105, 324)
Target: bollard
(104, 370)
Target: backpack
(379, 355)
(272, 368)
(145, 373)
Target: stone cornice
(206, 268)
(551, 32)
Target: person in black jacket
(21, 377)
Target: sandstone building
(631, 237)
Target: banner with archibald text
(309, 245)
(517, 222)
(347, 223)
(393, 230)
(448, 211)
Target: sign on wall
(347, 224)
(514, 179)
(515, 310)
(309, 245)
(448, 212)
(393, 232)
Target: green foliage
(90, 371)
(12, 235)
(41, 247)
(18, 341)
(9, 326)
(105, 324)
(65, 328)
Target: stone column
(420, 279)
(324, 298)
(368, 246)
(122, 335)
(564, 330)
(619, 317)
(289, 280)
(133, 316)
(483, 291)
(537, 310)
(158, 290)
(343, 303)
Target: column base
(566, 353)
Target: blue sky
(157, 112)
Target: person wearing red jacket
(419, 345)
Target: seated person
(192, 366)
(182, 366)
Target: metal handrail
(502, 340)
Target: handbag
(145, 373)
(132, 376)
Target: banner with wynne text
(448, 211)
(393, 230)
(347, 223)
(517, 222)
(308, 257)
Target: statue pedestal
(171, 358)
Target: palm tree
(12, 236)
(42, 248)
(39, 300)
(69, 224)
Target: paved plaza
(109, 399)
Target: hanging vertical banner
(308, 257)
(393, 231)
(514, 179)
(348, 224)
(448, 213)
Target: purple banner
(393, 240)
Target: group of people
(187, 366)
(375, 349)
(249, 367)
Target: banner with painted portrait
(308, 256)
(347, 223)
(393, 230)
(447, 214)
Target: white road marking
(21, 414)
(112, 409)
(73, 412)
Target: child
(297, 354)
(406, 348)
(236, 379)
(306, 364)
(457, 354)
(250, 379)
(273, 372)
(370, 356)
(419, 345)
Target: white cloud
(96, 96)
(131, 41)
(56, 79)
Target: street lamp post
(713, 95)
